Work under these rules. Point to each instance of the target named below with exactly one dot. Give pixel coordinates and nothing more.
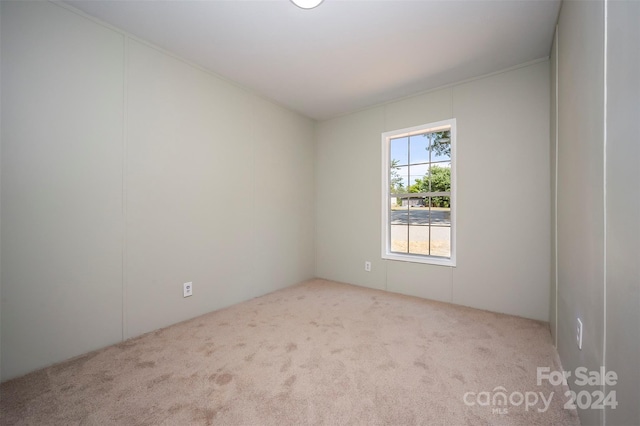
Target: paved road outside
(420, 216)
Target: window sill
(429, 260)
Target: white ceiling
(344, 55)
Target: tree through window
(418, 190)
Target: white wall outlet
(579, 334)
(187, 289)
(367, 266)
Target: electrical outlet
(187, 289)
(367, 266)
(579, 334)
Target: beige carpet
(316, 353)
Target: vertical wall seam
(254, 182)
(124, 184)
(0, 211)
(315, 198)
(455, 236)
(557, 37)
(604, 204)
(385, 202)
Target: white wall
(580, 256)
(623, 209)
(503, 194)
(598, 203)
(62, 123)
(126, 172)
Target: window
(418, 192)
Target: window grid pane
(420, 224)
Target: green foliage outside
(438, 179)
(441, 143)
(395, 180)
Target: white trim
(385, 228)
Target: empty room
(307, 212)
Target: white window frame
(386, 161)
